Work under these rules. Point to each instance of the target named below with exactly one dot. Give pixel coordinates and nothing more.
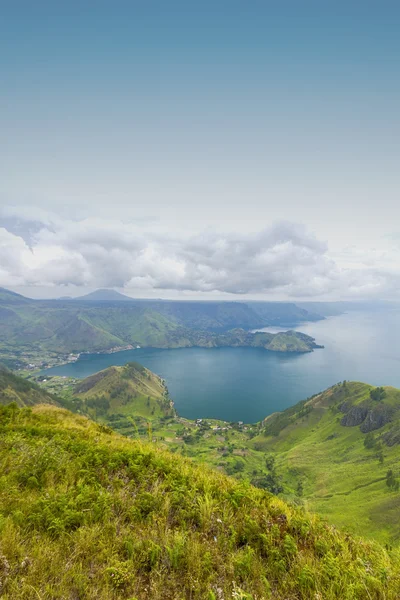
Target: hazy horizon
(36, 293)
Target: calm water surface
(247, 383)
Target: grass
(22, 392)
(305, 453)
(88, 514)
(316, 461)
(339, 477)
(123, 392)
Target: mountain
(116, 394)
(89, 514)
(9, 297)
(209, 316)
(37, 332)
(222, 316)
(284, 314)
(340, 451)
(37, 329)
(22, 392)
(104, 295)
(329, 309)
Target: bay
(248, 384)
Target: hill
(284, 314)
(285, 341)
(211, 316)
(89, 514)
(9, 297)
(22, 392)
(118, 393)
(340, 451)
(38, 332)
(332, 453)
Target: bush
(377, 394)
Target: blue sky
(195, 115)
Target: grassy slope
(89, 514)
(24, 393)
(342, 479)
(131, 390)
(60, 330)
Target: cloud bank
(283, 260)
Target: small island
(284, 341)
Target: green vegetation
(125, 398)
(377, 394)
(286, 341)
(332, 452)
(45, 332)
(86, 513)
(342, 449)
(22, 392)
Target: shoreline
(62, 359)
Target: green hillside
(42, 332)
(117, 393)
(332, 453)
(37, 332)
(285, 341)
(88, 514)
(340, 451)
(209, 316)
(22, 392)
(9, 297)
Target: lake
(247, 384)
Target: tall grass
(87, 514)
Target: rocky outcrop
(345, 407)
(391, 437)
(376, 418)
(355, 416)
(367, 416)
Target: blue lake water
(247, 383)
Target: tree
(369, 440)
(270, 462)
(238, 466)
(391, 481)
(270, 482)
(377, 394)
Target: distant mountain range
(106, 320)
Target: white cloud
(284, 260)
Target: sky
(225, 149)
